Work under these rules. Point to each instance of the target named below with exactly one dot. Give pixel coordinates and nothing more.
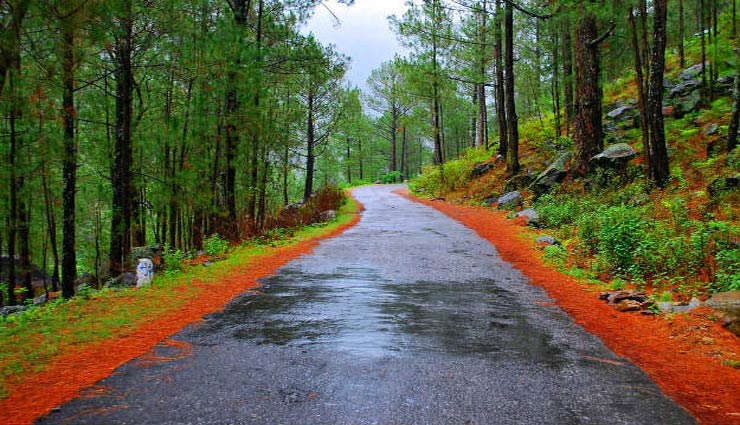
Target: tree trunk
(436, 129)
(570, 110)
(512, 124)
(310, 155)
(69, 116)
(732, 133)
(641, 94)
(503, 132)
(52, 229)
(659, 154)
(482, 129)
(681, 53)
(349, 163)
(704, 80)
(587, 131)
(394, 137)
(123, 155)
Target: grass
(28, 341)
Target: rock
(481, 169)
(725, 85)
(728, 302)
(553, 174)
(693, 71)
(518, 182)
(624, 116)
(547, 240)
(531, 216)
(144, 272)
(710, 129)
(124, 280)
(667, 84)
(731, 322)
(628, 305)
(723, 184)
(152, 252)
(510, 200)
(12, 309)
(689, 103)
(615, 297)
(693, 304)
(615, 156)
(328, 215)
(665, 306)
(490, 200)
(685, 88)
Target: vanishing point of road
(407, 318)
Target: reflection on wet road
(408, 318)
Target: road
(407, 318)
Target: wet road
(407, 318)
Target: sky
(362, 33)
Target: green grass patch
(29, 340)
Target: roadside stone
(531, 217)
(490, 200)
(694, 303)
(547, 240)
(144, 272)
(328, 215)
(510, 200)
(726, 301)
(481, 169)
(628, 305)
(553, 174)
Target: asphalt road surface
(407, 318)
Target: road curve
(407, 318)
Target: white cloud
(363, 33)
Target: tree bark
(69, 116)
(659, 154)
(587, 129)
(681, 53)
(570, 110)
(123, 154)
(512, 121)
(310, 155)
(641, 93)
(503, 131)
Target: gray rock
(689, 103)
(327, 216)
(693, 71)
(693, 304)
(710, 129)
(615, 156)
(547, 240)
(510, 200)
(144, 272)
(532, 218)
(667, 84)
(481, 169)
(725, 85)
(624, 116)
(685, 88)
(124, 280)
(11, 309)
(725, 301)
(490, 200)
(553, 174)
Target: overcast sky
(362, 33)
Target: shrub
(214, 246)
(173, 259)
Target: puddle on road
(355, 310)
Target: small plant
(214, 246)
(555, 255)
(85, 291)
(735, 364)
(172, 260)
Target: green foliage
(214, 246)
(392, 177)
(450, 176)
(173, 260)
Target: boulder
(689, 103)
(692, 72)
(725, 85)
(328, 215)
(628, 305)
(615, 156)
(624, 116)
(547, 240)
(685, 88)
(11, 309)
(481, 169)
(490, 200)
(729, 304)
(710, 129)
(510, 200)
(124, 280)
(530, 216)
(553, 174)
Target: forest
(136, 123)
